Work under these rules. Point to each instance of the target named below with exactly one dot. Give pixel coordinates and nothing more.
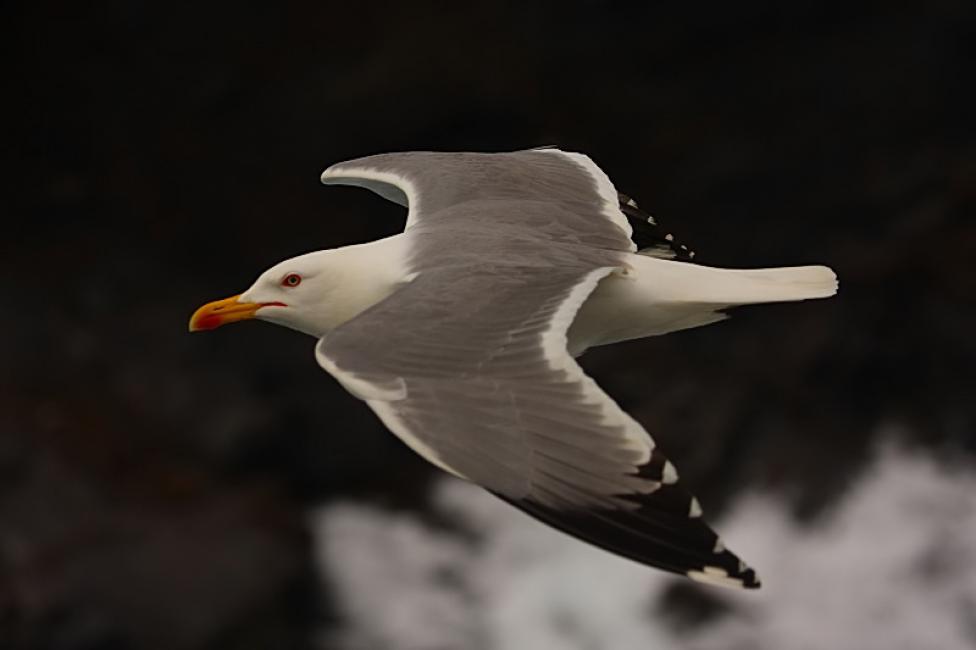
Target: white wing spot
(714, 575)
(694, 510)
(669, 475)
(719, 546)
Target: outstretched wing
(547, 174)
(468, 365)
(467, 362)
(581, 204)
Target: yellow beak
(220, 312)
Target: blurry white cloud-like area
(892, 566)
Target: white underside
(653, 296)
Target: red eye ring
(291, 280)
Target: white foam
(893, 567)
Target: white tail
(681, 283)
(747, 286)
(660, 296)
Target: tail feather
(662, 296)
(779, 284)
(679, 283)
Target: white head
(298, 293)
(316, 292)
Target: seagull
(461, 333)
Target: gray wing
(569, 184)
(467, 363)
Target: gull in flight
(461, 334)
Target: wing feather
(467, 362)
(430, 182)
(490, 393)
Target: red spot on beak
(220, 312)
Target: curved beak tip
(220, 312)
(204, 322)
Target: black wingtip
(715, 575)
(660, 527)
(681, 545)
(649, 236)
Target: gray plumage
(467, 361)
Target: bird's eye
(292, 280)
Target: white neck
(364, 275)
(347, 281)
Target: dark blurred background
(154, 485)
